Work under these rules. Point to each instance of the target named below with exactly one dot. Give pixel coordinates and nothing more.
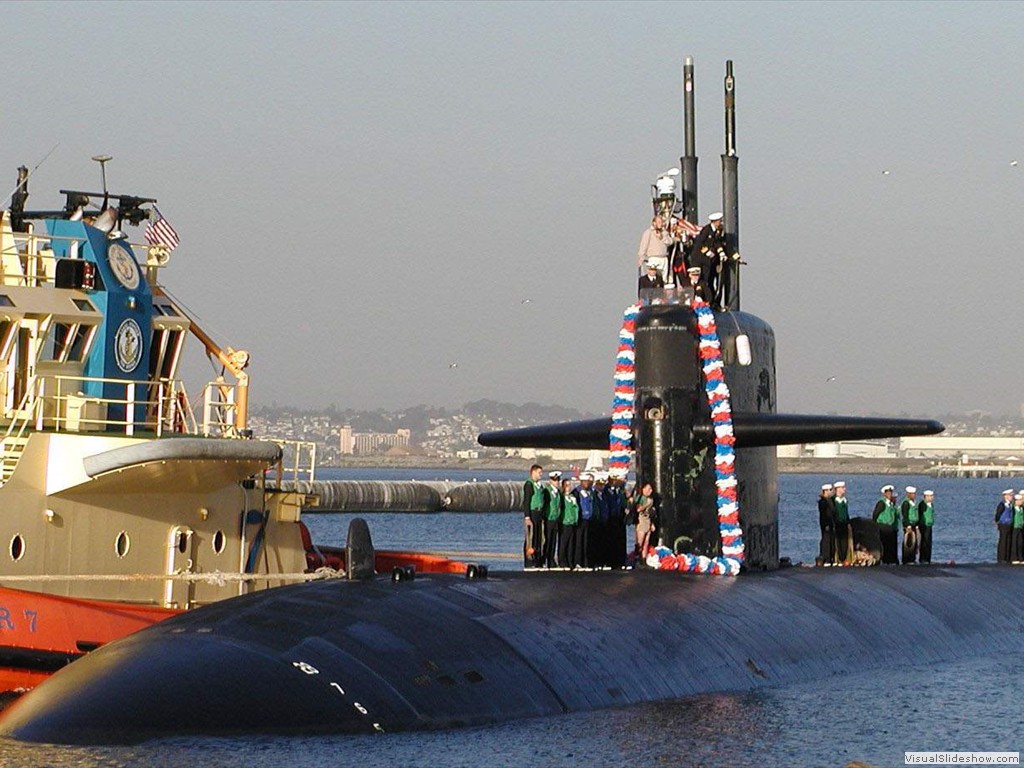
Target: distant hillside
(421, 418)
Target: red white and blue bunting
(620, 439)
(717, 391)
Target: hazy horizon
(367, 193)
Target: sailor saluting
(708, 253)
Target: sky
(368, 193)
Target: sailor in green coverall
(552, 518)
(926, 519)
(568, 557)
(533, 519)
(909, 517)
(842, 514)
(1017, 536)
(887, 517)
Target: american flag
(160, 232)
(691, 229)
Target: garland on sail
(620, 439)
(717, 391)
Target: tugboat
(125, 500)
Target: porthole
(17, 547)
(122, 544)
(219, 540)
(182, 542)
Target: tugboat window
(5, 300)
(84, 305)
(219, 541)
(17, 547)
(122, 544)
(182, 542)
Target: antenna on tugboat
(19, 194)
(103, 160)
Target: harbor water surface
(872, 717)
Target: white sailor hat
(888, 488)
(716, 216)
(827, 487)
(929, 493)
(554, 474)
(1008, 492)
(586, 476)
(650, 265)
(839, 484)
(911, 489)
(1018, 496)
(600, 477)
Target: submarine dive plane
(375, 653)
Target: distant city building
(863, 449)
(346, 442)
(963, 447)
(369, 443)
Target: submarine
(377, 653)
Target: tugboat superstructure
(116, 484)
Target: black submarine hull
(443, 651)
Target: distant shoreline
(802, 466)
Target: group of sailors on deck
(575, 526)
(914, 517)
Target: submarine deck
(443, 651)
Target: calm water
(873, 717)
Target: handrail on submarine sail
(234, 360)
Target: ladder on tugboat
(13, 447)
(13, 443)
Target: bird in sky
(886, 172)
(453, 365)
(1013, 163)
(526, 301)
(830, 378)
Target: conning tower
(672, 433)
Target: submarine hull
(443, 651)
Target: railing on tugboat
(31, 261)
(158, 408)
(297, 463)
(59, 404)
